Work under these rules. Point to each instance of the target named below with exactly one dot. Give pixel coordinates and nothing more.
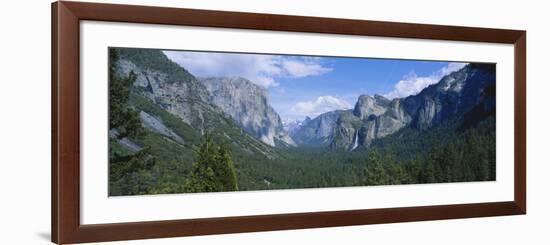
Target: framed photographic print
(177, 122)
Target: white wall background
(25, 121)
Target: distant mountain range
(204, 103)
(376, 117)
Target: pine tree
(375, 172)
(202, 176)
(126, 122)
(121, 116)
(213, 169)
(225, 171)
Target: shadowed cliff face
(247, 103)
(317, 131)
(199, 102)
(376, 117)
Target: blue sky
(301, 86)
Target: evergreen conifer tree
(213, 169)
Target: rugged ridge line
(377, 117)
(201, 102)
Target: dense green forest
(462, 148)
(447, 153)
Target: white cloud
(318, 106)
(412, 84)
(260, 69)
(297, 68)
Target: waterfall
(355, 141)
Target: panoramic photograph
(198, 121)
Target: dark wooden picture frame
(65, 175)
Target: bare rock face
(248, 104)
(317, 131)
(367, 106)
(127, 143)
(194, 100)
(394, 119)
(187, 99)
(377, 117)
(156, 125)
(345, 131)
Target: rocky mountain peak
(381, 99)
(374, 117)
(237, 84)
(247, 103)
(367, 106)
